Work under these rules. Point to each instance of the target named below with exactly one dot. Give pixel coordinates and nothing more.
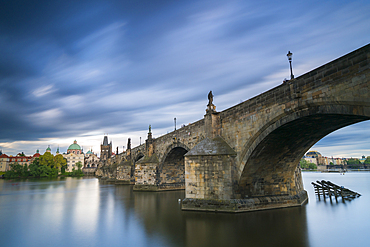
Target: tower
(105, 149)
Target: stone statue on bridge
(210, 98)
(210, 107)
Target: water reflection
(160, 214)
(86, 212)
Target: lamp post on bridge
(289, 55)
(175, 122)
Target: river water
(85, 212)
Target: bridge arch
(172, 166)
(138, 156)
(270, 158)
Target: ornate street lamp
(289, 55)
(175, 123)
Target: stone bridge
(246, 157)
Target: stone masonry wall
(145, 174)
(208, 177)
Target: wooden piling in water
(329, 189)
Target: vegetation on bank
(307, 165)
(47, 165)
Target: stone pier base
(125, 182)
(244, 205)
(161, 187)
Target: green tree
(307, 165)
(25, 173)
(59, 161)
(17, 170)
(303, 163)
(367, 161)
(34, 168)
(47, 159)
(352, 162)
(44, 170)
(312, 166)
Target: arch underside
(138, 157)
(271, 167)
(172, 170)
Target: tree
(303, 163)
(367, 161)
(59, 161)
(307, 165)
(47, 159)
(17, 170)
(352, 161)
(312, 166)
(34, 168)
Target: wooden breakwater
(328, 189)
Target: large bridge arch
(270, 157)
(171, 170)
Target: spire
(105, 141)
(57, 150)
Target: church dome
(74, 146)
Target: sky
(79, 70)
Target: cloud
(46, 118)
(82, 70)
(39, 92)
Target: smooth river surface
(86, 212)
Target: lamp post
(289, 55)
(175, 122)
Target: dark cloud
(83, 68)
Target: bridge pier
(244, 205)
(212, 183)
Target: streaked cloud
(83, 69)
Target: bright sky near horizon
(79, 69)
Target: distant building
(91, 159)
(105, 149)
(74, 155)
(21, 159)
(37, 154)
(313, 157)
(4, 162)
(363, 158)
